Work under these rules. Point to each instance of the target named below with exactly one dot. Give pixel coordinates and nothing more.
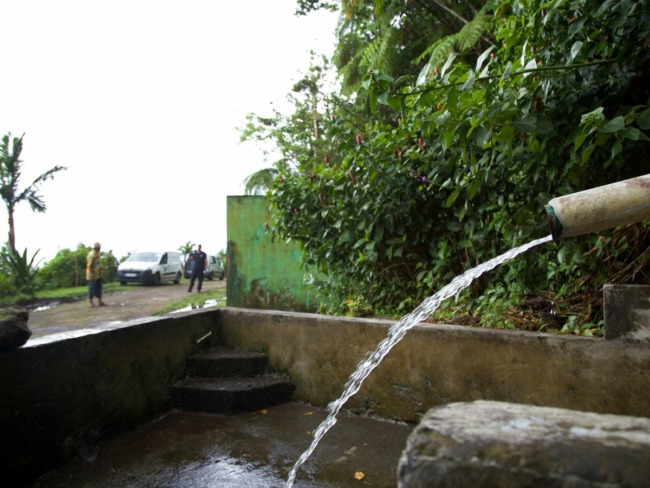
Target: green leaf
(577, 26)
(469, 83)
(525, 125)
(575, 49)
(545, 126)
(633, 133)
(395, 102)
(643, 120)
(614, 125)
(424, 73)
(383, 97)
(579, 140)
(481, 59)
(474, 187)
(452, 198)
(507, 71)
(448, 64)
(373, 103)
(454, 226)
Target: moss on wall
(262, 273)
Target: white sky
(141, 99)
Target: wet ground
(254, 450)
(250, 450)
(130, 302)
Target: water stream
(395, 334)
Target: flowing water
(395, 334)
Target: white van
(151, 267)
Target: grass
(81, 292)
(72, 293)
(196, 300)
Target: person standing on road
(94, 275)
(198, 267)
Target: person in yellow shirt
(94, 275)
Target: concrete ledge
(626, 311)
(437, 364)
(493, 444)
(63, 393)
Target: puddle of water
(250, 450)
(49, 306)
(40, 309)
(193, 306)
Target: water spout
(600, 208)
(395, 334)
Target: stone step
(222, 362)
(495, 444)
(231, 395)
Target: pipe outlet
(600, 208)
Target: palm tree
(260, 181)
(185, 249)
(10, 169)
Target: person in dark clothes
(200, 264)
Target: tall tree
(10, 172)
(300, 139)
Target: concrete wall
(64, 392)
(439, 364)
(262, 273)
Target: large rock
(494, 444)
(13, 330)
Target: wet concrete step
(231, 395)
(222, 362)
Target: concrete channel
(93, 407)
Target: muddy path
(128, 303)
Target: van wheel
(123, 283)
(178, 278)
(156, 279)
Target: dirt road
(128, 303)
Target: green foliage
(22, 271)
(6, 287)
(455, 168)
(68, 268)
(186, 249)
(396, 37)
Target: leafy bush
(474, 149)
(68, 268)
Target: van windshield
(144, 257)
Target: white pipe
(600, 208)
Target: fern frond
(369, 53)
(386, 52)
(441, 49)
(471, 32)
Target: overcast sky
(140, 100)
